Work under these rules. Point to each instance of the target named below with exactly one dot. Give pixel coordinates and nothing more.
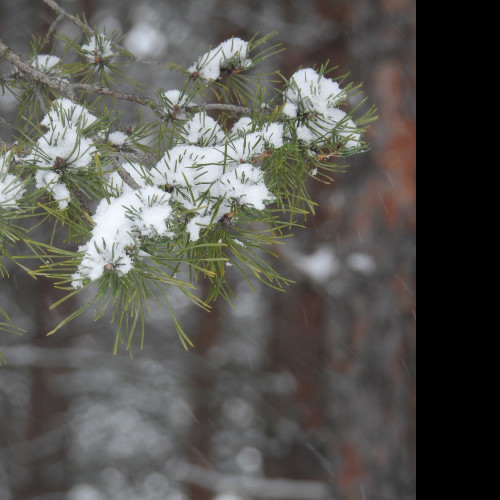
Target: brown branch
(59, 10)
(124, 175)
(230, 108)
(87, 29)
(52, 82)
(51, 30)
(116, 94)
(69, 89)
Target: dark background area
(314, 384)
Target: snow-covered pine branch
(211, 177)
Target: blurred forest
(308, 394)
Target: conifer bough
(207, 176)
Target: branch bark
(52, 82)
(69, 89)
(230, 108)
(124, 175)
(61, 12)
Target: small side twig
(51, 30)
(124, 175)
(229, 108)
(59, 10)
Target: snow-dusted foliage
(231, 54)
(62, 148)
(174, 100)
(313, 99)
(11, 187)
(97, 49)
(45, 62)
(119, 226)
(214, 178)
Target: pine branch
(206, 192)
(59, 10)
(124, 175)
(229, 108)
(52, 29)
(35, 74)
(70, 89)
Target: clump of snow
(245, 185)
(11, 187)
(310, 92)
(210, 180)
(253, 144)
(175, 100)
(66, 114)
(231, 54)
(333, 126)
(118, 138)
(203, 130)
(97, 49)
(74, 149)
(191, 169)
(62, 148)
(312, 100)
(46, 63)
(243, 126)
(50, 182)
(119, 226)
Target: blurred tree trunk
(46, 407)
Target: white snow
(245, 184)
(231, 53)
(312, 99)
(175, 99)
(253, 144)
(97, 48)
(310, 92)
(203, 130)
(76, 150)
(63, 147)
(65, 113)
(45, 62)
(208, 173)
(191, 167)
(50, 181)
(196, 225)
(211, 179)
(118, 226)
(118, 138)
(243, 126)
(11, 187)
